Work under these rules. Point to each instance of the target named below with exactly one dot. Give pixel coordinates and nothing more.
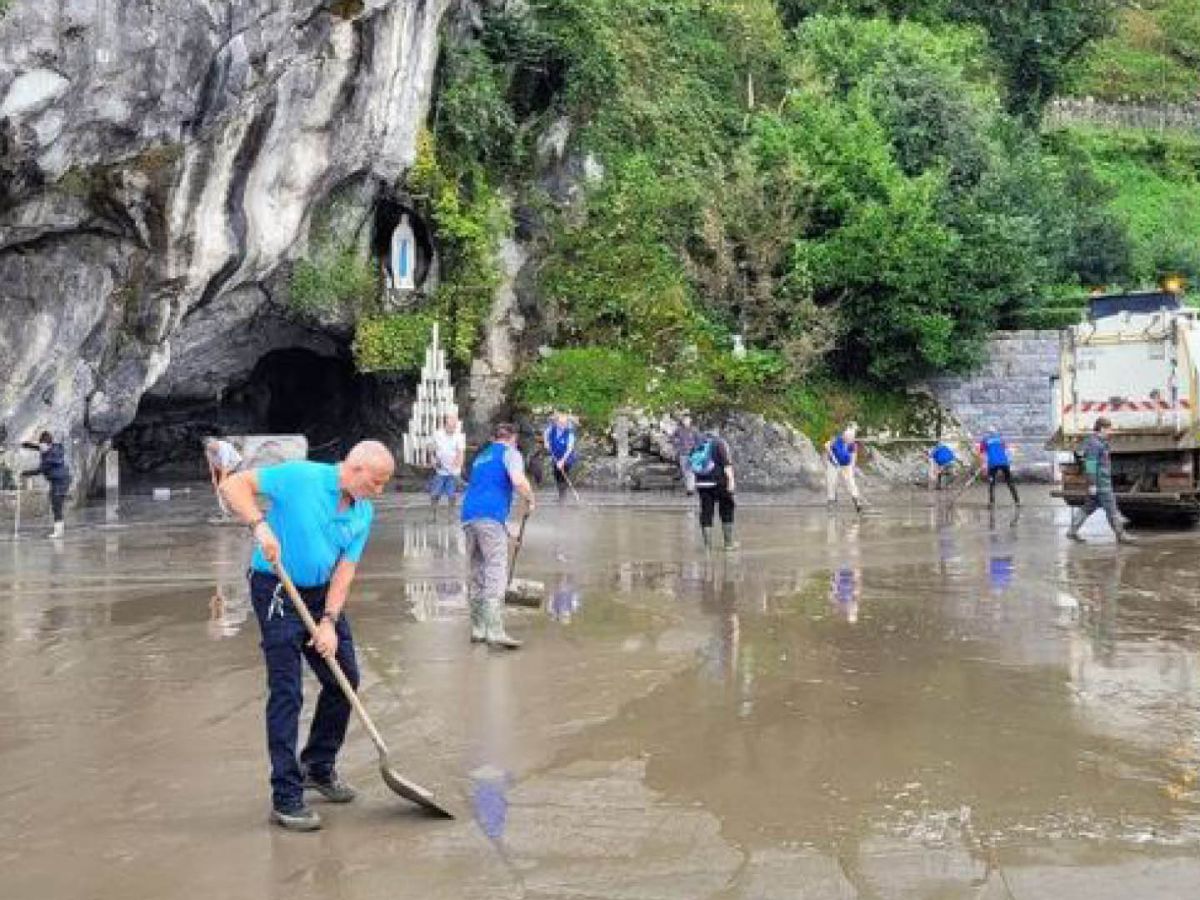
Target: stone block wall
(1013, 391)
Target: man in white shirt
(223, 460)
(449, 450)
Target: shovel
(962, 490)
(521, 591)
(398, 783)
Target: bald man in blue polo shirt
(317, 527)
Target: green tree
(1037, 42)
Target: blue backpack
(700, 460)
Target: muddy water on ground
(923, 703)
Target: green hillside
(859, 189)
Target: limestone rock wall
(159, 163)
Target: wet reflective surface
(924, 703)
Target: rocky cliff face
(160, 160)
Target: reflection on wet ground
(924, 703)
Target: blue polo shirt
(304, 515)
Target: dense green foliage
(853, 186)
(335, 275)
(1035, 45)
(856, 187)
(1154, 55)
(392, 342)
(1153, 182)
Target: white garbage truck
(1136, 361)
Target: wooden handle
(516, 548)
(342, 680)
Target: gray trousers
(487, 559)
(1100, 500)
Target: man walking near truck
(1097, 466)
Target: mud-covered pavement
(915, 704)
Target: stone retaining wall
(1013, 392)
(1131, 114)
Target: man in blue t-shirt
(497, 470)
(995, 455)
(841, 459)
(560, 444)
(316, 529)
(941, 459)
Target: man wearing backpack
(841, 459)
(712, 464)
(994, 453)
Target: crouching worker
(316, 527)
(497, 471)
(942, 460)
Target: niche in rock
(290, 391)
(402, 242)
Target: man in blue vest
(316, 527)
(841, 459)
(994, 453)
(497, 471)
(560, 444)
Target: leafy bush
(335, 276)
(590, 381)
(392, 343)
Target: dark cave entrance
(290, 391)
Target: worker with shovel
(316, 530)
(559, 438)
(497, 471)
(996, 456)
(841, 461)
